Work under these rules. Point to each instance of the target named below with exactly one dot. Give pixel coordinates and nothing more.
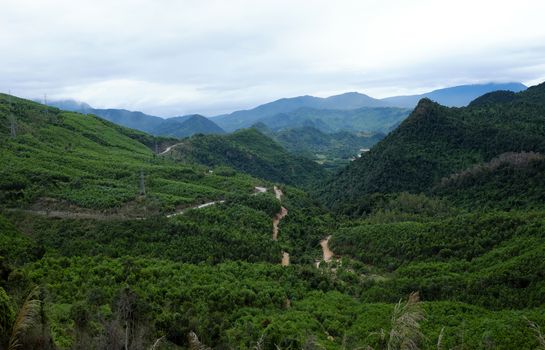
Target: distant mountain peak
(455, 96)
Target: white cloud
(172, 57)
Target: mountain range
(107, 238)
(453, 96)
(173, 127)
(350, 111)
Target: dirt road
(278, 192)
(276, 221)
(285, 259)
(327, 253)
(169, 148)
(200, 206)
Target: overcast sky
(174, 57)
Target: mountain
(368, 119)
(246, 118)
(73, 160)
(186, 126)
(251, 152)
(436, 141)
(172, 127)
(122, 246)
(456, 96)
(287, 111)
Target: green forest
(111, 238)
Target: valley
(241, 240)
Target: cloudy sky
(174, 57)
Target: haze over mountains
(183, 126)
(449, 204)
(350, 111)
(453, 97)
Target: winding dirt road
(200, 206)
(169, 148)
(258, 190)
(276, 221)
(327, 253)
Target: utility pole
(142, 184)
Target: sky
(176, 57)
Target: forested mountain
(348, 111)
(436, 141)
(174, 127)
(252, 152)
(186, 126)
(345, 111)
(113, 238)
(456, 96)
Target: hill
(456, 96)
(171, 127)
(436, 141)
(185, 126)
(251, 152)
(70, 159)
(83, 217)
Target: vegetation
(332, 150)
(172, 127)
(103, 244)
(251, 152)
(364, 119)
(436, 141)
(187, 126)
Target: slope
(251, 152)
(69, 159)
(436, 141)
(185, 126)
(456, 96)
(172, 127)
(369, 119)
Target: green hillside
(88, 236)
(187, 126)
(70, 159)
(251, 152)
(437, 141)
